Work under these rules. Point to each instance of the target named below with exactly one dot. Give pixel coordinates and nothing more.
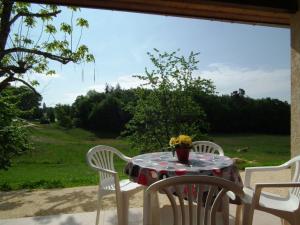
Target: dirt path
(83, 199)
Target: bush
(14, 139)
(64, 116)
(44, 120)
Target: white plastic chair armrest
(260, 186)
(104, 170)
(250, 170)
(277, 185)
(126, 158)
(122, 156)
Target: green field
(58, 158)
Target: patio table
(148, 168)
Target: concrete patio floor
(76, 206)
(108, 217)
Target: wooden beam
(295, 84)
(212, 10)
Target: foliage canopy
(166, 107)
(30, 38)
(13, 134)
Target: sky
(255, 58)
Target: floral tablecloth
(148, 168)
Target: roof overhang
(268, 12)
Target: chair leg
(125, 208)
(225, 210)
(119, 200)
(238, 213)
(98, 207)
(248, 212)
(154, 214)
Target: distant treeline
(238, 113)
(107, 112)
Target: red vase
(183, 154)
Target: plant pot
(183, 154)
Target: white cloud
(70, 97)
(43, 80)
(97, 87)
(41, 77)
(257, 83)
(125, 81)
(129, 81)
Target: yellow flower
(181, 140)
(173, 141)
(185, 140)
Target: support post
(295, 84)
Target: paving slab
(109, 217)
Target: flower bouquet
(182, 145)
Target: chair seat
(127, 185)
(270, 200)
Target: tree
(21, 53)
(63, 114)
(83, 106)
(166, 107)
(50, 112)
(25, 100)
(106, 116)
(13, 133)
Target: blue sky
(256, 58)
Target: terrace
(54, 205)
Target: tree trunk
(5, 25)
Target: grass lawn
(58, 159)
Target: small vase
(183, 154)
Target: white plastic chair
(288, 207)
(100, 158)
(207, 147)
(204, 196)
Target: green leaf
(82, 22)
(50, 29)
(66, 28)
(50, 72)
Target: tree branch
(40, 15)
(4, 83)
(61, 59)
(13, 69)
(26, 83)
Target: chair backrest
(207, 147)
(102, 156)
(204, 195)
